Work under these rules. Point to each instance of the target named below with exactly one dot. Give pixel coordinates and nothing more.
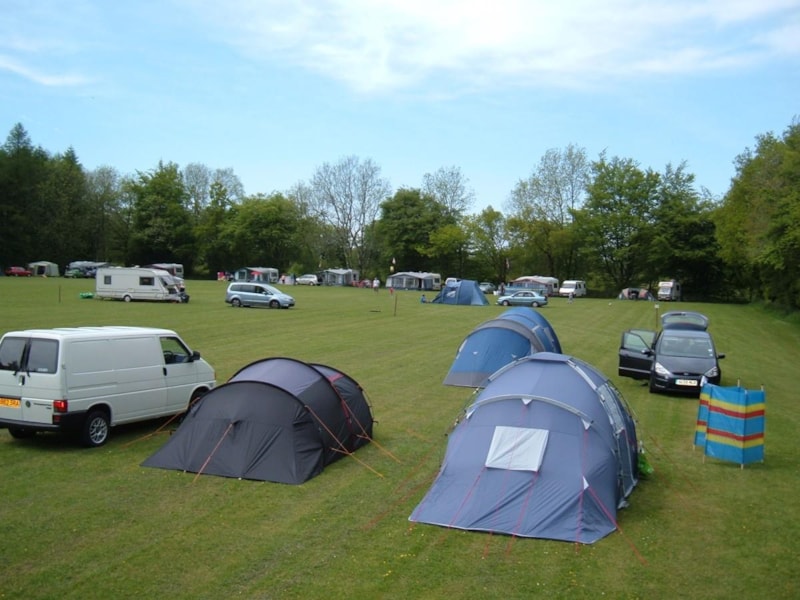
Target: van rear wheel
(20, 433)
(95, 429)
(236, 302)
(127, 298)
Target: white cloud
(374, 45)
(46, 79)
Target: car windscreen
(688, 347)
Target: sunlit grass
(77, 523)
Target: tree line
(608, 221)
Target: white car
(307, 279)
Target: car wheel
(653, 389)
(236, 302)
(20, 433)
(274, 304)
(535, 304)
(506, 303)
(127, 298)
(95, 429)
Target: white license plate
(689, 382)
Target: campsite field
(79, 523)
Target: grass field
(80, 523)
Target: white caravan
(137, 283)
(85, 380)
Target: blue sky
(274, 89)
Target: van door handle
(165, 371)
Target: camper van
(84, 380)
(574, 287)
(669, 291)
(138, 283)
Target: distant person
(502, 288)
(570, 298)
(423, 299)
(376, 284)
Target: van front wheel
(95, 429)
(127, 298)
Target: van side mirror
(195, 356)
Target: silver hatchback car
(257, 294)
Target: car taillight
(60, 406)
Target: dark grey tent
(548, 450)
(277, 419)
(465, 291)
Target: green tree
(267, 231)
(757, 225)
(490, 241)
(64, 233)
(347, 196)
(22, 208)
(105, 223)
(683, 245)
(541, 214)
(616, 222)
(407, 220)
(450, 188)
(162, 225)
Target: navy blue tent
(465, 291)
(547, 450)
(277, 419)
(517, 332)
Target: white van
(86, 379)
(576, 287)
(138, 283)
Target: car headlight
(660, 370)
(712, 372)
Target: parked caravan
(415, 280)
(574, 287)
(261, 274)
(174, 269)
(669, 291)
(547, 286)
(138, 283)
(84, 380)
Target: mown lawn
(78, 523)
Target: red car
(17, 272)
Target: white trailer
(137, 283)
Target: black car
(679, 358)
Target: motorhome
(572, 287)
(138, 283)
(84, 380)
(175, 269)
(669, 291)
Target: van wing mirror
(195, 355)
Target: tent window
(517, 448)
